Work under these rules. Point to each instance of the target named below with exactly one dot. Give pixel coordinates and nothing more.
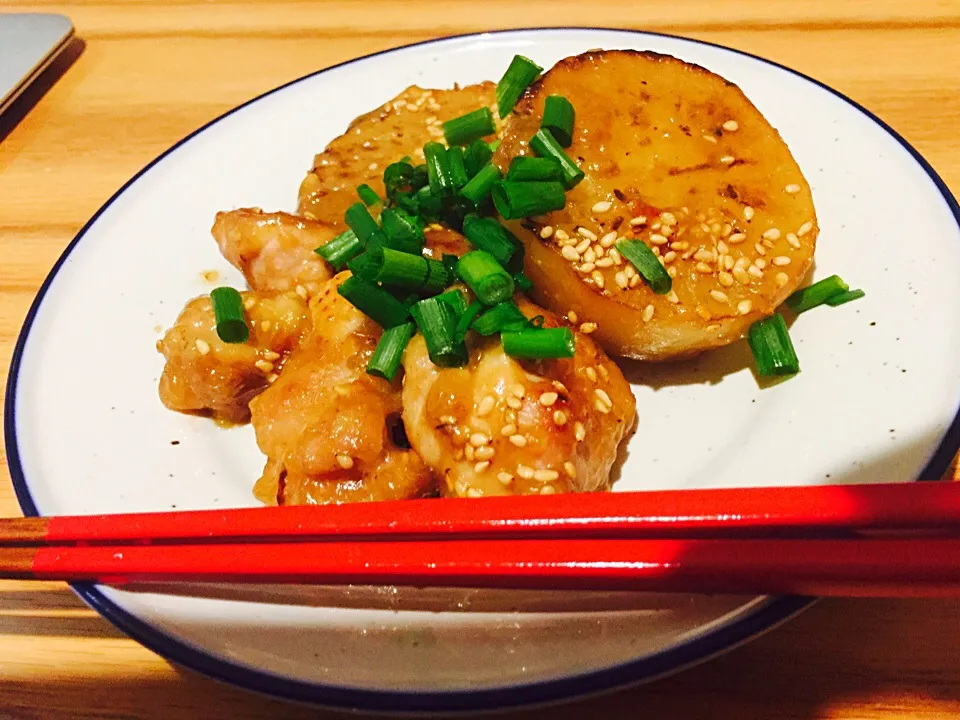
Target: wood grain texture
(152, 72)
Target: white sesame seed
(579, 431)
(548, 398)
(600, 407)
(719, 296)
(545, 475)
(744, 306)
(508, 430)
(584, 233)
(792, 189)
(648, 313)
(249, 303)
(588, 327)
(559, 418)
(669, 257)
(760, 263)
(570, 253)
(481, 466)
(505, 478)
(518, 390)
(372, 166)
(470, 452)
(518, 440)
(605, 263)
(730, 126)
(704, 255)
(264, 366)
(781, 260)
(586, 267)
(591, 374)
(479, 439)
(672, 297)
(560, 235)
(514, 403)
(474, 492)
(622, 280)
(485, 453)
(710, 139)
(603, 397)
(725, 278)
(754, 271)
(793, 240)
(761, 250)
(548, 490)
(702, 267)
(546, 231)
(572, 317)
(583, 246)
(635, 280)
(737, 238)
(598, 280)
(344, 461)
(679, 245)
(641, 220)
(270, 355)
(203, 347)
(748, 213)
(771, 234)
(272, 377)
(727, 159)
(658, 239)
(741, 276)
(782, 279)
(486, 405)
(727, 262)
(609, 239)
(805, 228)
(722, 248)
(668, 218)
(525, 472)
(570, 469)
(601, 207)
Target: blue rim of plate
(726, 636)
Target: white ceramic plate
(877, 398)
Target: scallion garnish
(343, 247)
(406, 270)
(229, 316)
(647, 264)
(525, 169)
(523, 283)
(368, 195)
(485, 276)
(437, 322)
(429, 205)
(558, 116)
(505, 316)
(476, 156)
(374, 302)
(816, 294)
(772, 348)
(515, 200)
(455, 299)
(519, 75)
(361, 222)
(458, 173)
(365, 265)
(402, 230)
(467, 128)
(438, 170)
(539, 343)
(386, 358)
(845, 297)
(545, 145)
(398, 176)
(467, 318)
(490, 236)
(482, 184)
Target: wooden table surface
(153, 71)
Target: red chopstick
(838, 540)
(835, 510)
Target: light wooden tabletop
(153, 71)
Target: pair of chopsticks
(857, 540)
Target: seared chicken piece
(501, 426)
(203, 373)
(680, 159)
(275, 251)
(327, 427)
(378, 138)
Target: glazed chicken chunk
(330, 431)
(502, 426)
(205, 374)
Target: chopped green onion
(545, 145)
(456, 299)
(466, 319)
(403, 232)
(406, 270)
(525, 169)
(476, 156)
(515, 200)
(449, 261)
(485, 276)
(505, 316)
(438, 170)
(458, 173)
(374, 302)
(490, 236)
(397, 176)
(361, 222)
(365, 265)
(647, 264)
(772, 347)
(845, 297)
(482, 184)
(467, 128)
(429, 206)
(558, 118)
(386, 358)
(342, 248)
(816, 294)
(368, 195)
(437, 321)
(228, 313)
(519, 75)
(523, 283)
(493, 145)
(539, 343)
